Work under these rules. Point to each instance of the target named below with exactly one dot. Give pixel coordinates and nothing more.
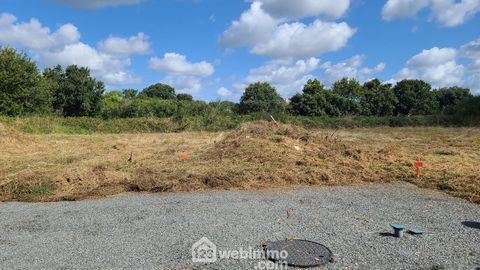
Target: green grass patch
(39, 191)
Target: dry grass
(257, 155)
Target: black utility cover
(301, 253)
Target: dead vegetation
(258, 155)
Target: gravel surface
(157, 231)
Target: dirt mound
(260, 154)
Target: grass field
(258, 155)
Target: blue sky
(214, 48)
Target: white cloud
(184, 83)
(437, 66)
(175, 63)
(300, 40)
(447, 12)
(108, 68)
(305, 8)
(289, 77)
(398, 9)
(473, 82)
(440, 67)
(268, 36)
(33, 35)
(138, 44)
(452, 13)
(96, 3)
(252, 27)
(351, 68)
(472, 51)
(286, 76)
(224, 92)
(109, 63)
(433, 57)
(184, 76)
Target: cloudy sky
(214, 48)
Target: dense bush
(117, 107)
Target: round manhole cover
(298, 253)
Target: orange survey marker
(183, 155)
(418, 165)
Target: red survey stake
(418, 165)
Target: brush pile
(265, 154)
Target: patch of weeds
(282, 132)
(39, 191)
(22, 189)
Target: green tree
(348, 88)
(129, 93)
(22, 88)
(337, 105)
(451, 96)
(313, 87)
(261, 97)
(316, 100)
(159, 90)
(468, 110)
(378, 99)
(415, 97)
(76, 92)
(307, 105)
(112, 104)
(183, 96)
(352, 91)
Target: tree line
(73, 92)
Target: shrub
(261, 97)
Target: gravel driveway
(157, 231)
